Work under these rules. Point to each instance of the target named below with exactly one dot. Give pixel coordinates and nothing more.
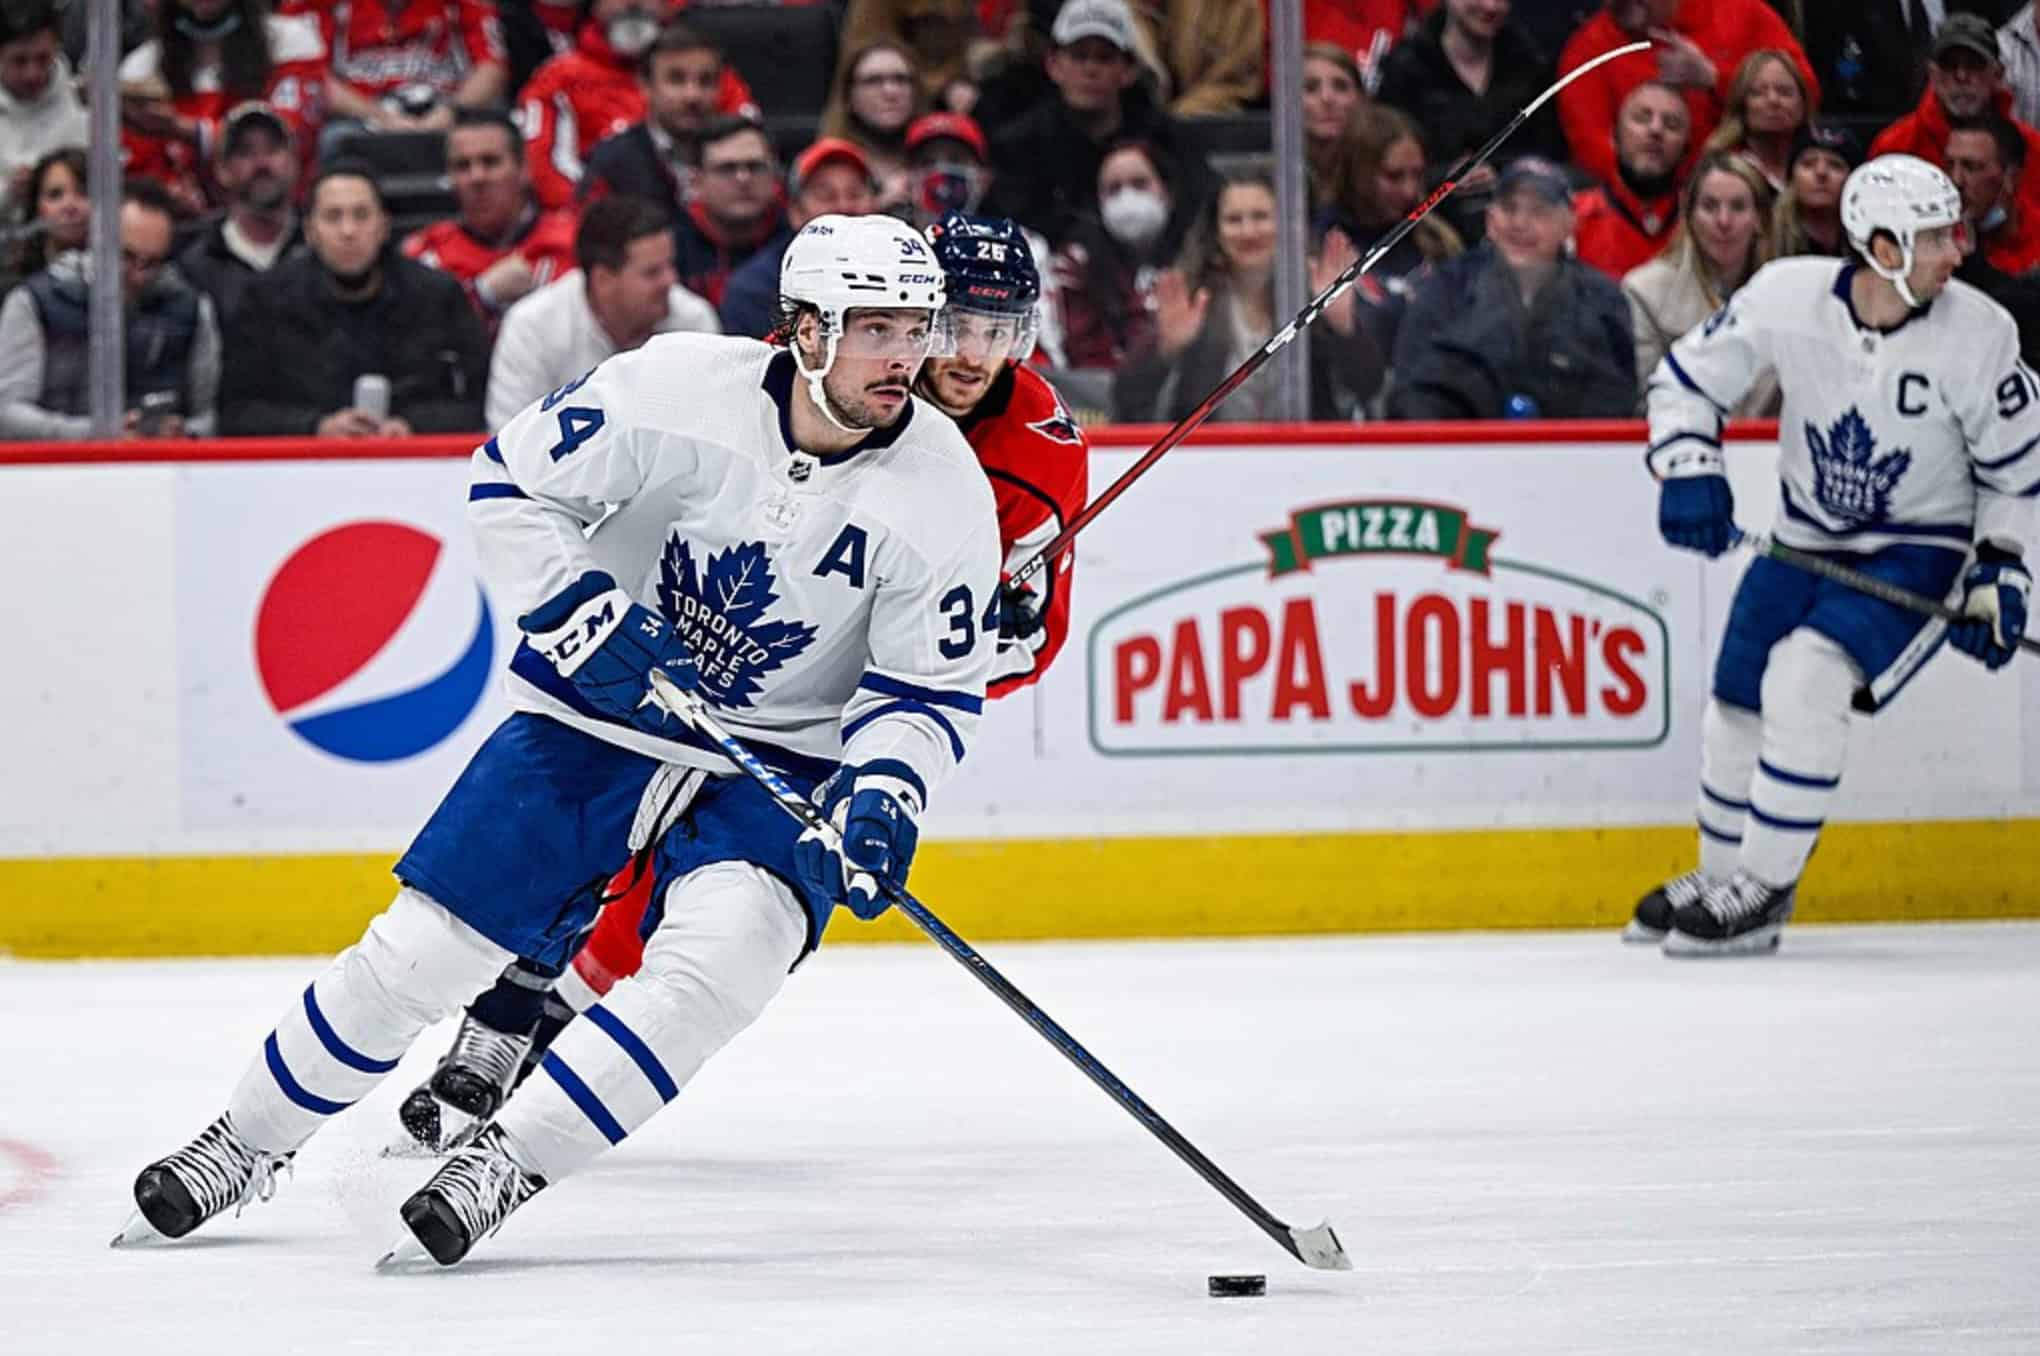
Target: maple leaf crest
(1850, 480)
(720, 612)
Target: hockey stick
(1318, 1247)
(1857, 580)
(1316, 307)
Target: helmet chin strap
(1901, 278)
(816, 391)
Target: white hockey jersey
(837, 607)
(1927, 433)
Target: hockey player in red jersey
(1037, 460)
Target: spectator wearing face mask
(830, 176)
(576, 99)
(1965, 79)
(1987, 161)
(1104, 275)
(1809, 212)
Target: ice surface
(1529, 1144)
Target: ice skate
(1737, 917)
(467, 1200)
(1653, 916)
(469, 1086)
(175, 1195)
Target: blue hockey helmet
(990, 273)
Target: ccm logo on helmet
(917, 279)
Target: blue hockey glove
(1019, 611)
(1996, 590)
(873, 807)
(607, 646)
(1697, 512)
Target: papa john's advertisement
(1309, 638)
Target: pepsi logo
(370, 644)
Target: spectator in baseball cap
(1808, 218)
(831, 176)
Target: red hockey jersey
(297, 79)
(377, 50)
(546, 242)
(582, 96)
(1039, 463)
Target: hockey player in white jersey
(1909, 447)
(791, 534)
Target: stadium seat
(787, 54)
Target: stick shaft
(1863, 583)
(690, 708)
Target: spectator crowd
(606, 170)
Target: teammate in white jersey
(792, 534)
(1909, 448)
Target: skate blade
(1638, 934)
(136, 1230)
(404, 1255)
(1762, 942)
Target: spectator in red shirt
(502, 245)
(407, 65)
(736, 207)
(1626, 221)
(1768, 105)
(1697, 46)
(1965, 79)
(578, 98)
(1987, 159)
(830, 176)
(206, 57)
(1810, 210)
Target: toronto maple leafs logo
(720, 613)
(1059, 427)
(1850, 480)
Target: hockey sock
(1729, 739)
(1807, 687)
(513, 1005)
(353, 1023)
(730, 933)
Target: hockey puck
(1228, 1287)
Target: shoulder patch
(1058, 427)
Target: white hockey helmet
(837, 264)
(1900, 195)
